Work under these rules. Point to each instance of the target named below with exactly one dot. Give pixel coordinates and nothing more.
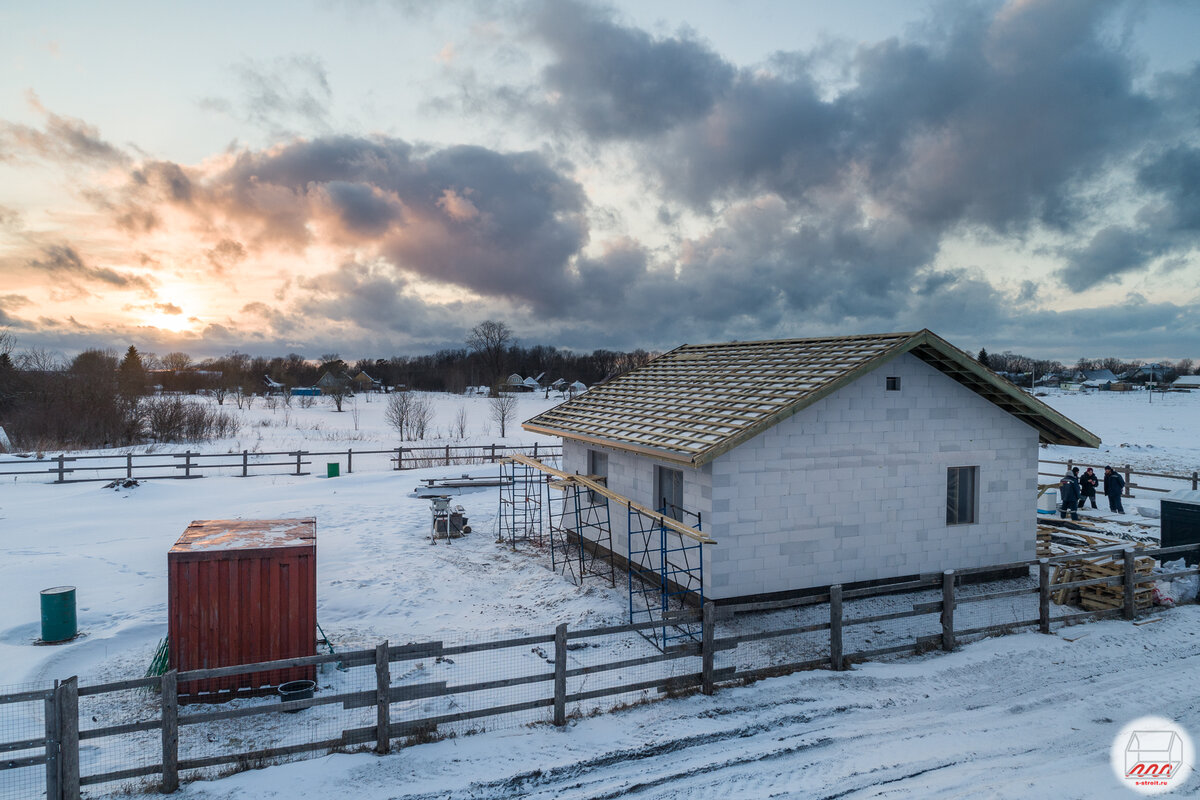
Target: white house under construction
(810, 462)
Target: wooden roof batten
(599, 488)
(773, 381)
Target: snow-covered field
(1020, 716)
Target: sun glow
(175, 323)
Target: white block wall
(853, 488)
(632, 476)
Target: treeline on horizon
(99, 398)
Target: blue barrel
(58, 614)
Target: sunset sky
(374, 178)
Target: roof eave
(665, 455)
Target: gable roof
(698, 401)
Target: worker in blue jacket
(1114, 484)
(1068, 496)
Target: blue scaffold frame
(666, 574)
(582, 518)
(521, 503)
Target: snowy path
(1015, 717)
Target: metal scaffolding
(580, 534)
(521, 502)
(666, 574)
(665, 556)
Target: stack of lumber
(1103, 597)
(1043, 542)
(1100, 598)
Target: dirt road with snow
(1014, 717)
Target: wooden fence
(555, 688)
(188, 464)
(1128, 473)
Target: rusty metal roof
(699, 401)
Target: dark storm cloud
(1167, 224)
(64, 262)
(1175, 175)
(619, 82)
(61, 140)
(997, 117)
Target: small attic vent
(893, 384)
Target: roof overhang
(1052, 427)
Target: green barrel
(58, 614)
(333, 469)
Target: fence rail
(190, 464)
(394, 699)
(1128, 473)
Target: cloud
(618, 82)
(280, 95)
(496, 223)
(63, 140)
(63, 262)
(226, 255)
(168, 308)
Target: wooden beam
(604, 491)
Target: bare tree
(460, 422)
(8, 342)
(176, 361)
(490, 339)
(421, 416)
(338, 393)
(399, 412)
(503, 409)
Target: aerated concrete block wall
(853, 488)
(632, 476)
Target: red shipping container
(242, 592)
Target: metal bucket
(58, 614)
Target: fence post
(1044, 595)
(560, 675)
(245, 463)
(948, 610)
(53, 791)
(1195, 481)
(706, 648)
(129, 465)
(399, 458)
(1129, 584)
(187, 464)
(170, 731)
(835, 627)
(493, 453)
(383, 699)
(68, 733)
(447, 455)
(299, 453)
(61, 469)
(349, 460)
(1128, 480)
(535, 444)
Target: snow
(1024, 715)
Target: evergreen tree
(131, 375)
(982, 358)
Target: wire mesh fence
(398, 695)
(22, 740)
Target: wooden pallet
(1099, 598)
